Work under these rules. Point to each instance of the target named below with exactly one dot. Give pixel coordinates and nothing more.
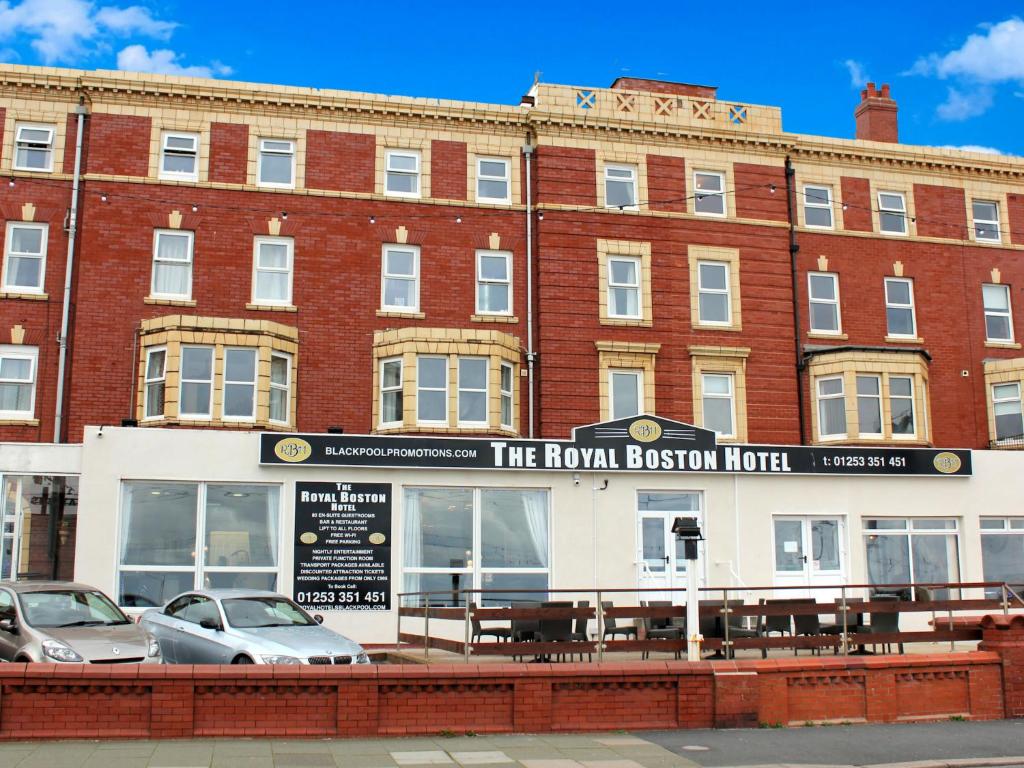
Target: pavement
(947, 744)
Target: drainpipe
(794, 249)
(58, 419)
(531, 356)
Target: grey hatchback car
(245, 626)
(60, 621)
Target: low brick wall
(71, 701)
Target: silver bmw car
(245, 626)
(59, 621)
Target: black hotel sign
(638, 444)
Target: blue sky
(957, 71)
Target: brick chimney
(876, 115)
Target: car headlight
(60, 652)
(154, 648)
(280, 660)
(362, 658)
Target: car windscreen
(251, 612)
(69, 608)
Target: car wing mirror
(9, 625)
(210, 624)
(318, 619)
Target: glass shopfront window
(913, 551)
(1002, 553)
(40, 516)
(162, 522)
(475, 538)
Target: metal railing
(724, 610)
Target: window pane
(171, 278)
(900, 321)
(997, 327)
(823, 287)
(433, 406)
(24, 272)
(652, 531)
(897, 292)
(625, 395)
(1002, 559)
(623, 272)
(514, 588)
(240, 365)
(830, 386)
(278, 405)
(399, 292)
(935, 560)
(493, 168)
(399, 162)
(446, 585)
(159, 523)
(818, 217)
(713, 277)
(184, 164)
(272, 286)
(869, 405)
(433, 372)
(490, 188)
(402, 182)
(709, 182)
(26, 240)
(472, 373)
(514, 529)
(985, 211)
(888, 559)
(196, 363)
(996, 298)
(832, 414)
(15, 397)
(15, 368)
(891, 222)
(492, 297)
(400, 262)
(619, 193)
(151, 589)
(789, 545)
(816, 195)
(266, 582)
(624, 302)
(238, 400)
(713, 307)
(195, 399)
(392, 373)
(273, 256)
(892, 202)
(668, 502)
(438, 528)
(276, 169)
(824, 317)
(825, 544)
(493, 267)
(883, 524)
(717, 385)
(241, 525)
(718, 414)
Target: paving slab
(480, 758)
(424, 757)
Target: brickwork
(941, 211)
(119, 145)
(857, 195)
(69, 701)
(666, 183)
(340, 161)
(1004, 635)
(448, 174)
(229, 152)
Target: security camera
(576, 478)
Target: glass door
(808, 553)
(661, 561)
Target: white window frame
(827, 206)
(254, 383)
(1000, 400)
(278, 387)
(481, 280)
(417, 174)
(18, 128)
(820, 398)
(507, 395)
(481, 176)
(421, 388)
(9, 254)
(911, 529)
(632, 181)
(157, 234)
(399, 389)
(261, 150)
(638, 377)
(165, 151)
(635, 287)
(894, 305)
(199, 567)
(182, 381)
(414, 278)
(901, 212)
(150, 381)
(289, 244)
(834, 277)
(913, 408)
(31, 354)
(877, 378)
(698, 194)
(730, 396)
(1007, 313)
(727, 292)
(460, 389)
(986, 223)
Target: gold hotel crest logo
(645, 430)
(293, 449)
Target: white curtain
(273, 509)
(535, 509)
(412, 542)
(126, 520)
(172, 278)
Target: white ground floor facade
(163, 511)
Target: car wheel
(241, 660)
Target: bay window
(177, 536)
(475, 538)
(156, 380)
(831, 407)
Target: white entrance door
(661, 563)
(809, 553)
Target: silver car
(245, 626)
(59, 621)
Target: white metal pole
(692, 613)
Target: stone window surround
(851, 362)
(16, 117)
(626, 355)
(730, 256)
(199, 127)
(637, 159)
(408, 343)
(722, 360)
(173, 331)
(1004, 371)
(635, 249)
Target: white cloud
(963, 105)
(858, 76)
(135, 58)
(974, 148)
(987, 58)
(61, 31)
